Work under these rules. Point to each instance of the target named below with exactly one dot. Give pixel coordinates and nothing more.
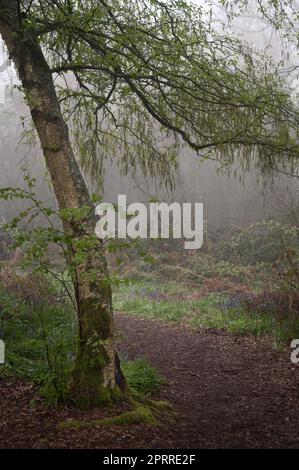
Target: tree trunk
(97, 377)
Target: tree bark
(97, 378)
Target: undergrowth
(244, 283)
(238, 312)
(40, 345)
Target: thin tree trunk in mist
(97, 378)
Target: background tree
(141, 78)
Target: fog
(227, 199)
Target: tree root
(144, 412)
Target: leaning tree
(141, 79)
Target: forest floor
(229, 391)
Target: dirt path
(230, 391)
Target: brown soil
(230, 391)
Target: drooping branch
(153, 71)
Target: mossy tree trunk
(97, 377)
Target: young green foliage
(146, 77)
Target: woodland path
(230, 391)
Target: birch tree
(147, 78)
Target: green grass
(169, 302)
(40, 338)
(40, 346)
(142, 377)
(152, 300)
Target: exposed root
(148, 412)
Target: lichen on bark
(97, 378)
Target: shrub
(142, 377)
(262, 242)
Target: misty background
(229, 198)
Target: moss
(160, 405)
(163, 408)
(87, 387)
(74, 424)
(94, 374)
(95, 318)
(88, 390)
(141, 415)
(149, 412)
(98, 397)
